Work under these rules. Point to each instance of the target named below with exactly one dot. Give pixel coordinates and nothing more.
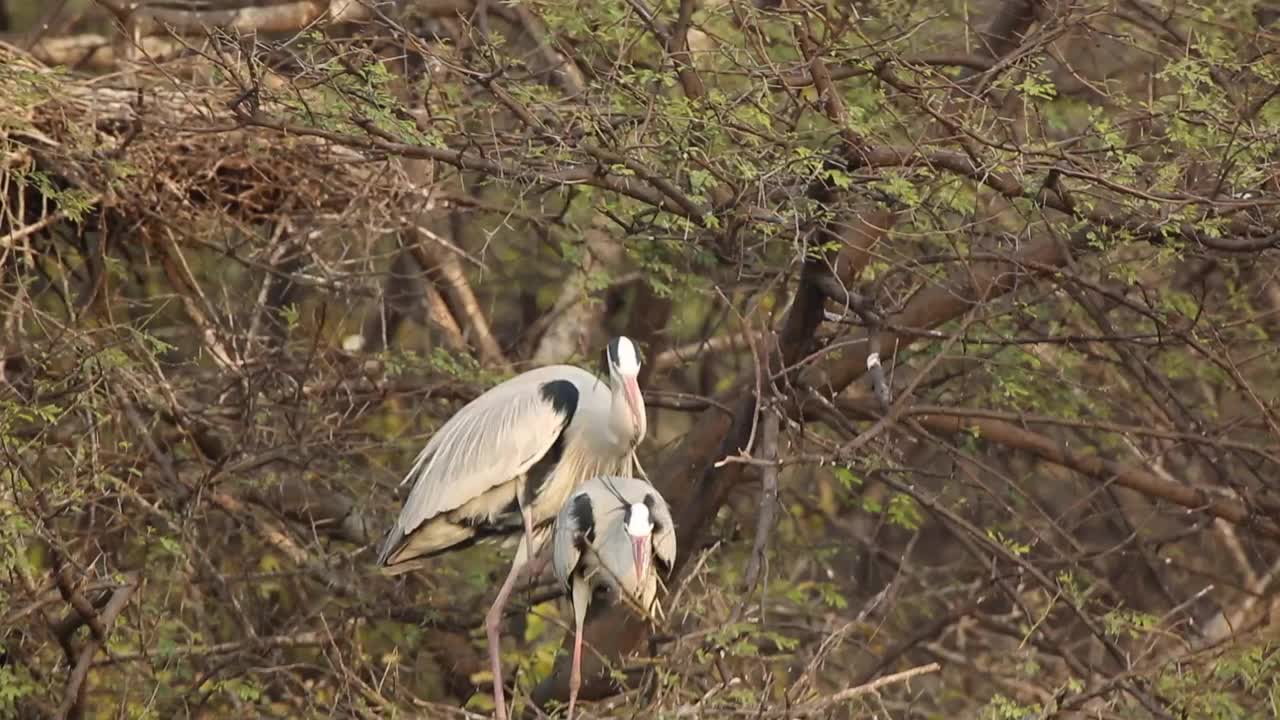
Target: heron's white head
(639, 521)
(640, 528)
(622, 358)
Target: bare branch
(74, 692)
(768, 499)
(823, 705)
(445, 269)
(1127, 476)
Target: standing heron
(608, 536)
(506, 462)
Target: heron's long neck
(626, 431)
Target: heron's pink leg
(575, 672)
(581, 596)
(529, 550)
(492, 628)
(534, 562)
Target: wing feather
(494, 439)
(664, 541)
(564, 548)
(576, 517)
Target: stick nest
(166, 151)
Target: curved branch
(73, 696)
(1106, 471)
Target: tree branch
(74, 693)
(1090, 465)
(284, 17)
(824, 705)
(768, 499)
(688, 477)
(934, 304)
(446, 272)
(1008, 27)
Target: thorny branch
(74, 693)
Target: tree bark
(577, 324)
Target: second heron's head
(639, 525)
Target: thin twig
(821, 705)
(311, 638)
(720, 343)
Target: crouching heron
(608, 537)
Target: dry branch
(330, 512)
(824, 705)
(575, 315)
(91, 51)
(1127, 476)
(933, 305)
(713, 345)
(446, 272)
(74, 693)
(283, 17)
(768, 500)
(1008, 28)
(311, 638)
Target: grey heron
(608, 536)
(504, 464)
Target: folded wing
(493, 440)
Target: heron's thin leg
(532, 566)
(635, 462)
(581, 597)
(492, 628)
(529, 550)
(575, 672)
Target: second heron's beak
(640, 554)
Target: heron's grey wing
(494, 439)
(575, 522)
(664, 538)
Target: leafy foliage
(243, 281)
